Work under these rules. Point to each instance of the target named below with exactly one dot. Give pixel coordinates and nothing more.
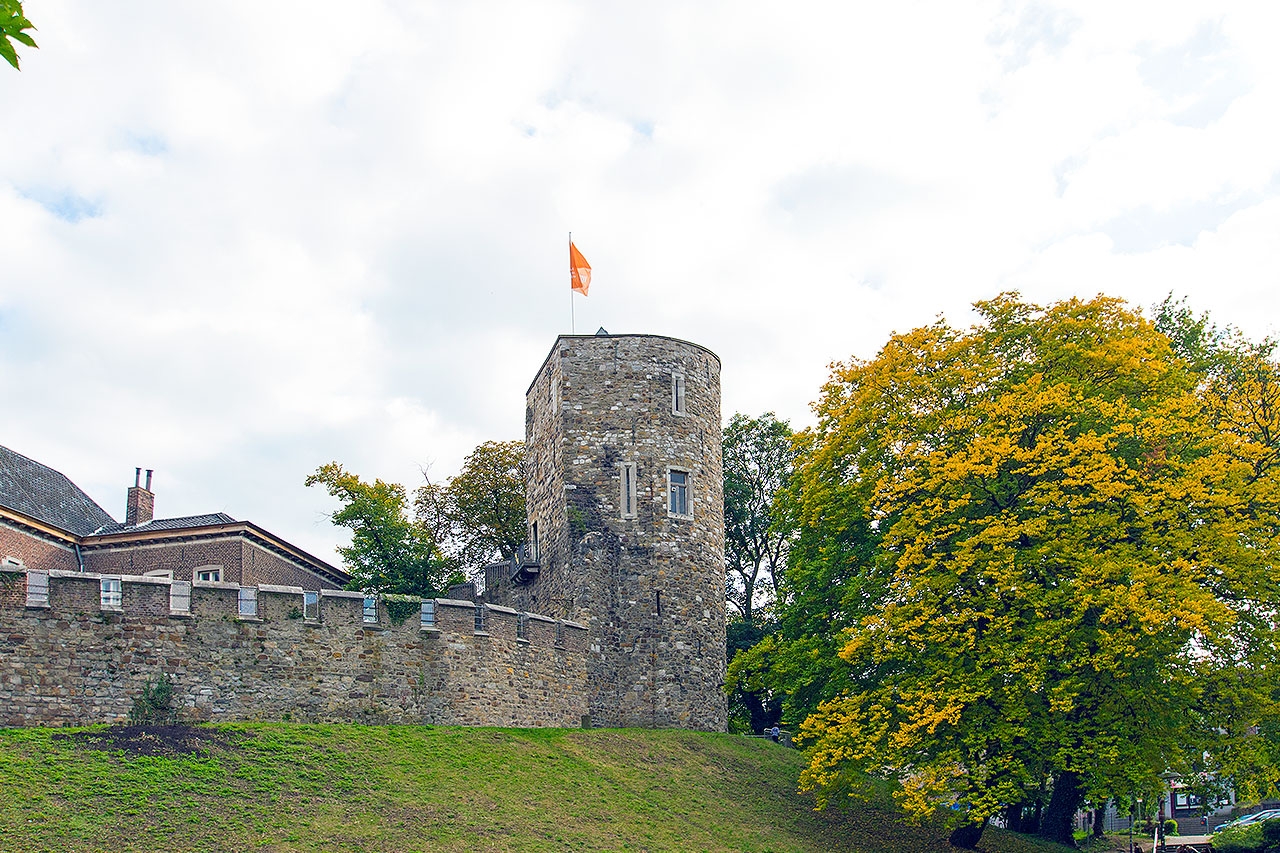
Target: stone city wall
(74, 661)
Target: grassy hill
(281, 787)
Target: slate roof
(207, 520)
(44, 494)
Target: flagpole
(572, 322)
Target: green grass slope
(280, 787)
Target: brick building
(47, 523)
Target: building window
(180, 597)
(248, 601)
(678, 487)
(677, 394)
(112, 593)
(481, 620)
(555, 395)
(428, 613)
(1185, 800)
(537, 546)
(37, 589)
(311, 606)
(522, 626)
(11, 563)
(560, 634)
(627, 496)
(371, 609)
(209, 573)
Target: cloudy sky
(239, 240)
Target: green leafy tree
(750, 710)
(758, 461)
(824, 591)
(13, 24)
(389, 553)
(1044, 545)
(758, 458)
(478, 516)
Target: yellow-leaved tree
(1068, 591)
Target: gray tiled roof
(42, 493)
(207, 520)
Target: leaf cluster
(389, 553)
(13, 25)
(478, 516)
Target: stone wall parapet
(79, 660)
(212, 594)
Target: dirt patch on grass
(155, 740)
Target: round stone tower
(626, 522)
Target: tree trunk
(1099, 820)
(1013, 817)
(1055, 824)
(967, 835)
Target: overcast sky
(240, 240)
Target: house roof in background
(207, 520)
(38, 491)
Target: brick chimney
(141, 504)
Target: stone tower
(625, 503)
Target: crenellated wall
(76, 662)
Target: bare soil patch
(155, 740)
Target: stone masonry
(74, 661)
(625, 507)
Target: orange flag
(579, 270)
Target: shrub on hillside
(154, 707)
(1271, 835)
(1240, 839)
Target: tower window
(678, 490)
(248, 601)
(311, 606)
(677, 394)
(555, 395)
(627, 488)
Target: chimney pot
(140, 506)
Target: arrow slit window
(627, 496)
